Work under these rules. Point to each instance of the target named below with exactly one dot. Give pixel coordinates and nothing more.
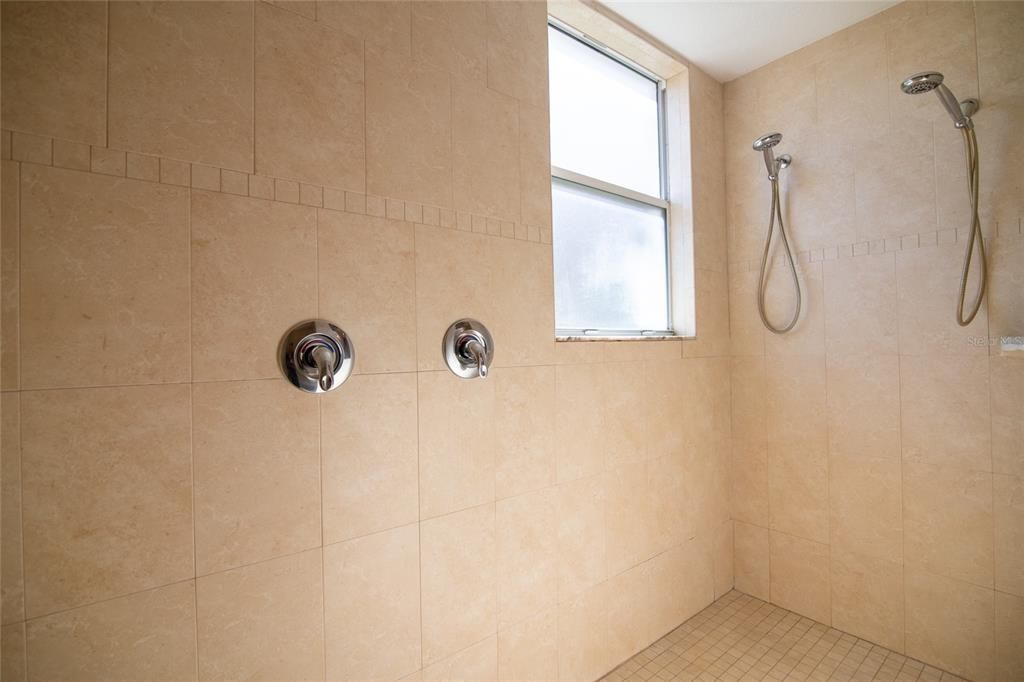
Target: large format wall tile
(42, 44)
(370, 456)
(526, 530)
(253, 277)
(122, 521)
(1008, 502)
(12, 644)
(1009, 614)
(864, 406)
(867, 597)
(456, 440)
(145, 636)
(485, 147)
(180, 82)
(529, 650)
(950, 624)
(1006, 379)
(378, 578)
(310, 108)
(800, 576)
(116, 312)
(860, 306)
(10, 278)
(458, 581)
(385, 26)
(524, 455)
(257, 472)
(278, 605)
(12, 583)
(367, 284)
(408, 129)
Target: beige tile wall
(183, 182)
(878, 448)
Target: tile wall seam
(540, 234)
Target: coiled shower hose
(776, 214)
(974, 235)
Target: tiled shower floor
(742, 638)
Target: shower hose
(973, 234)
(776, 215)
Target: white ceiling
(728, 39)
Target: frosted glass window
(604, 116)
(610, 261)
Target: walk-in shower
(764, 144)
(961, 113)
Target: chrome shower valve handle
(468, 349)
(316, 356)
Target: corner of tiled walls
(877, 477)
(182, 182)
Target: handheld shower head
(764, 145)
(927, 81)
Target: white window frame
(660, 202)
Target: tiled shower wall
(878, 459)
(181, 183)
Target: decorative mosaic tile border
(875, 247)
(49, 151)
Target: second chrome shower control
(468, 349)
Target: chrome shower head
(767, 141)
(764, 145)
(927, 81)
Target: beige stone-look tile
(205, 177)
(109, 162)
(1008, 501)
(629, 602)
(800, 576)
(42, 44)
(451, 36)
(372, 605)
(310, 101)
(9, 275)
(12, 648)
(453, 280)
(867, 597)
(526, 530)
(76, 155)
(257, 472)
(385, 26)
(860, 306)
(712, 310)
(865, 506)
(458, 581)
(945, 411)
(367, 285)
(724, 558)
(1009, 658)
(808, 336)
(529, 650)
(749, 478)
(895, 190)
(175, 173)
(369, 448)
(949, 624)
(999, 62)
(408, 129)
(579, 420)
(524, 455)
(623, 386)
(928, 280)
(180, 81)
(864, 406)
(456, 446)
(1006, 379)
(264, 621)
(751, 547)
(946, 508)
(485, 153)
(655, 411)
(582, 636)
(142, 167)
(746, 332)
(674, 600)
(523, 302)
(673, 498)
(123, 519)
(115, 311)
(477, 662)
(1005, 282)
(144, 636)
(12, 583)
(628, 517)
(30, 148)
(797, 456)
(582, 535)
(749, 409)
(253, 277)
(535, 163)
